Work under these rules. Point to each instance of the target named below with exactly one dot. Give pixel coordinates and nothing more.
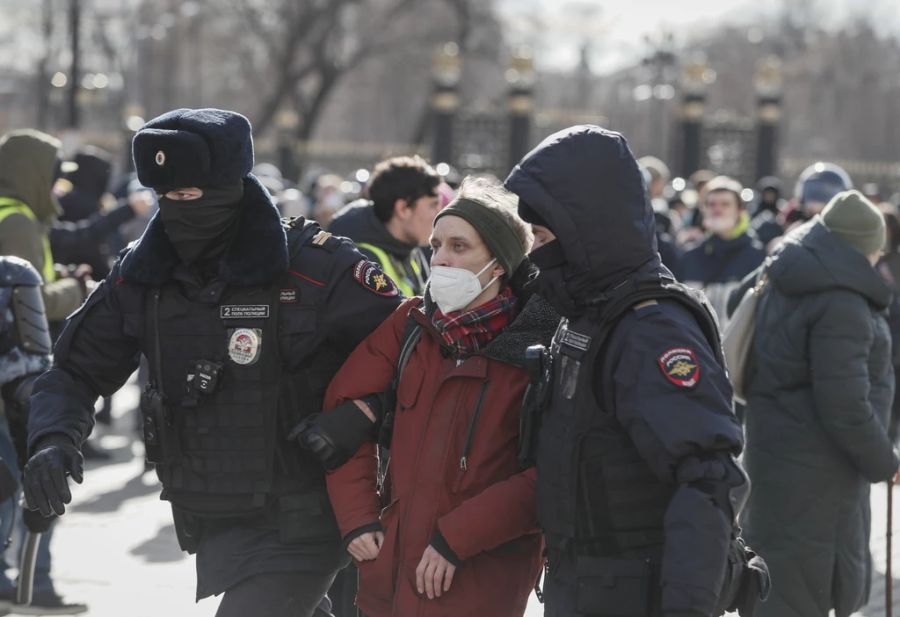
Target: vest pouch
(306, 517)
(621, 504)
(612, 587)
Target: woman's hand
(434, 574)
(367, 546)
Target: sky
(615, 28)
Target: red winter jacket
(453, 469)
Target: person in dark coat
(85, 234)
(88, 172)
(767, 210)
(889, 268)
(244, 319)
(637, 484)
(730, 250)
(820, 389)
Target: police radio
(161, 444)
(539, 363)
(152, 419)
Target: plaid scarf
(466, 332)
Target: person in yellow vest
(393, 222)
(28, 169)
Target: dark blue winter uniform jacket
(638, 440)
(315, 297)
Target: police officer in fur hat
(244, 319)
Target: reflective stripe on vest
(387, 264)
(14, 206)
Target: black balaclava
(550, 260)
(201, 229)
(550, 283)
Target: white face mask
(455, 288)
(719, 224)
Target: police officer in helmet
(638, 487)
(244, 319)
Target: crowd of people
(426, 395)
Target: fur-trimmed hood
(257, 255)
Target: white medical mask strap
(486, 266)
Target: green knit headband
(495, 230)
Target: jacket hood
(813, 260)
(585, 183)
(27, 162)
(358, 222)
(256, 256)
(92, 175)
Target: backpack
(737, 342)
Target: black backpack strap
(620, 299)
(412, 334)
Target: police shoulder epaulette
(325, 240)
(321, 238)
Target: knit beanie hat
(855, 220)
(491, 211)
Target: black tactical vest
(596, 495)
(232, 457)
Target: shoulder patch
(680, 366)
(369, 275)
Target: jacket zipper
(464, 460)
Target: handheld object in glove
(45, 478)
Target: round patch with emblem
(369, 275)
(160, 158)
(680, 366)
(244, 345)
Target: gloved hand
(333, 437)
(36, 523)
(45, 483)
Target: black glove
(36, 523)
(333, 437)
(45, 483)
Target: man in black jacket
(244, 319)
(637, 484)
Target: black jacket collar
(257, 255)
